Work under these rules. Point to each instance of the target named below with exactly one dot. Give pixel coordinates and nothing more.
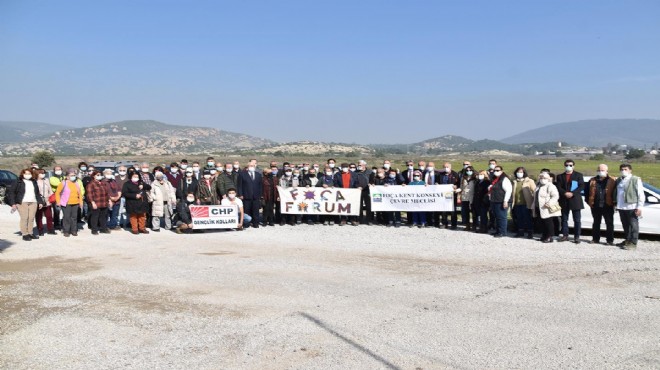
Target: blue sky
(350, 71)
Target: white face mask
(189, 174)
(352, 169)
(109, 177)
(331, 165)
(447, 169)
(421, 168)
(135, 179)
(429, 169)
(98, 177)
(416, 178)
(251, 169)
(480, 177)
(344, 169)
(174, 169)
(386, 166)
(229, 170)
(288, 173)
(491, 166)
(27, 176)
(329, 173)
(231, 196)
(602, 173)
(625, 173)
(157, 173)
(83, 168)
(236, 166)
(196, 169)
(305, 168)
(316, 168)
(469, 173)
(520, 175)
(190, 199)
(42, 176)
(184, 166)
(58, 173)
(207, 176)
(410, 168)
(569, 168)
(544, 181)
(296, 174)
(145, 170)
(213, 172)
(73, 178)
(122, 173)
(497, 173)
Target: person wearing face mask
(99, 201)
(600, 198)
(449, 177)
(392, 178)
(270, 196)
(183, 165)
(332, 164)
(418, 218)
(421, 166)
(232, 200)
(174, 175)
(481, 203)
(409, 172)
(500, 195)
(210, 163)
(430, 177)
(46, 211)
(468, 182)
(163, 198)
(82, 170)
(184, 222)
(237, 167)
(197, 172)
(491, 169)
(363, 179)
(207, 190)
(115, 199)
(187, 185)
(121, 179)
(55, 179)
(347, 180)
(629, 202)
(291, 178)
(69, 196)
(23, 196)
(250, 190)
(523, 199)
(145, 174)
(311, 180)
(137, 202)
(570, 185)
(545, 206)
(225, 180)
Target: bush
(635, 153)
(43, 158)
(598, 157)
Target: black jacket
(133, 204)
(563, 187)
(183, 189)
(16, 192)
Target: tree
(635, 153)
(558, 153)
(43, 158)
(597, 157)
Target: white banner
(214, 217)
(412, 198)
(320, 201)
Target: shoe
(255, 226)
(421, 226)
(390, 224)
(41, 233)
(563, 239)
(52, 232)
(412, 225)
(622, 244)
(549, 240)
(594, 242)
(134, 232)
(145, 231)
(610, 243)
(27, 238)
(498, 236)
(117, 228)
(95, 233)
(74, 234)
(155, 230)
(33, 236)
(530, 235)
(271, 224)
(398, 224)
(342, 223)
(66, 235)
(520, 234)
(106, 231)
(630, 246)
(310, 222)
(577, 241)
(326, 223)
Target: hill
(18, 131)
(137, 138)
(594, 133)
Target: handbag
(554, 208)
(52, 199)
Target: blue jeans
(419, 218)
(246, 219)
(523, 218)
(114, 216)
(577, 221)
(500, 214)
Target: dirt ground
(318, 297)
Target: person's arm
(640, 197)
(508, 189)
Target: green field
(649, 171)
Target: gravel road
(319, 297)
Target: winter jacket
(133, 204)
(97, 192)
(16, 192)
(528, 189)
(574, 203)
(45, 190)
(546, 194)
(163, 195)
(224, 182)
(185, 188)
(269, 183)
(480, 196)
(467, 189)
(207, 193)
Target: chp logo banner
(214, 217)
(412, 198)
(320, 201)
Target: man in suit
(250, 189)
(570, 185)
(430, 177)
(408, 173)
(348, 180)
(449, 177)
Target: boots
(468, 227)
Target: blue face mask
(274, 172)
(469, 173)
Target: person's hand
(199, 202)
(505, 205)
(325, 185)
(458, 190)
(139, 196)
(140, 187)
(241, 197)
(13, 208)
(41, 206)
(190, 226)
(638, 212)
(404, 184)
(569, 195)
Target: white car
(648, 224)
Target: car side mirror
(652, 199)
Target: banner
(412, 198)
(214, 217)
(320, 201)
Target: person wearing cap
(207, 190)
(162, 206)
(418, 218)
(69, 197)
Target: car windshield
(652, 188)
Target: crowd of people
(160, 197)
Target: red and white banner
(214, 217)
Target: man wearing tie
(250, 190)
(408, 173)
(430, 177)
